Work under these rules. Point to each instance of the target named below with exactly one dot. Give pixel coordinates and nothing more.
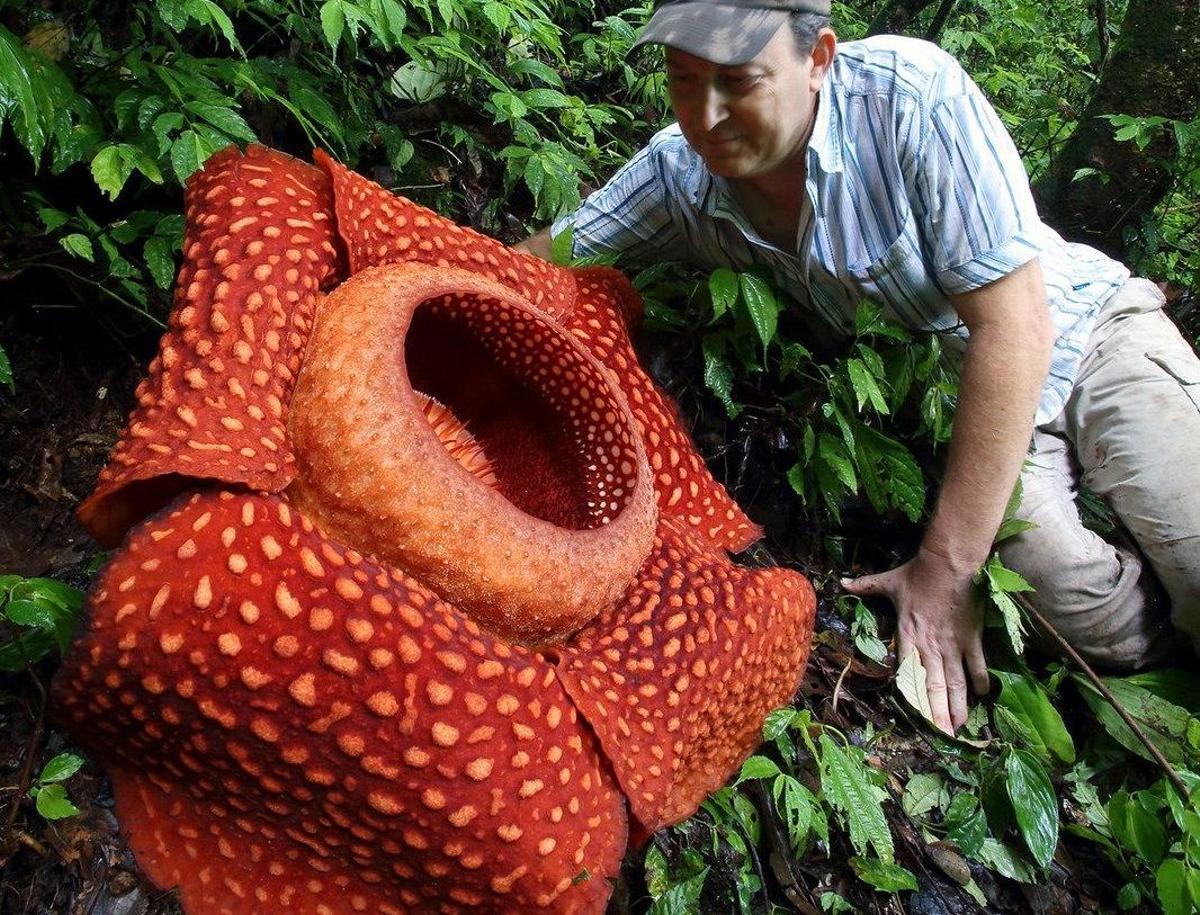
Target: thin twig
(939, 20)
(1101, 10)
(1105, 692)
(26, 777)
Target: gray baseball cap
(729, 32)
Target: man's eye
(744, 83)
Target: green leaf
(866, 388)
(796, 805)
(545, 98)
(188, 153)
(79, 245)
(757, 767)
(17, 87)
(226, 120)
(53, 804)
(655, 869)
(60, 768)
(681, 899)
(1128, 896)
(1034, 804)
(1004, 861)
(777, 722)
(1170, 883)
(718, 375)
(761, 305)
(1025, 699)
(891, 475)
(884, 876)
(562, 246)
(498, 15)
(1137, 828)
(848, 788)
(160, 260)
(1000, 582)
(30, 613)
(1163, 722)
(6, 373)
(333, 23)
(723, 288)
(924, 792)
(832, 452)
(111, 170)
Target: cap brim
(727, 35)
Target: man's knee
(1096, 596)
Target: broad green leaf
(891, 475)
(1002, 859)
(52, 219)
(498, 15)
(333, 22)
(17, 85)
(1128, 896)
(545, 98)
(723, 288)
(35, 614)
(188, 153)
(1137, 828)
(60, 768)
(865, 630)
(924, 792)
(53, 804)
(1024, 698)
(1170, 883)
(847, 787)
(79, 245)
(760, 305)
(1034, 804)
(681, 899)
(1163, 722)
(883, 875)
(794, 356)
(416, 82)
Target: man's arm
(537, 244)
(1004, 371)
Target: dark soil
(75, 378)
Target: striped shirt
(915, 192)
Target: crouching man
(876, 168)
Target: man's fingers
(935, 687)
(956, 691)
(866, 586)
(977, 668)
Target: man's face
(746, 120)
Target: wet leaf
(1034, 804)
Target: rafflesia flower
(423, 602)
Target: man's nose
(714, 110)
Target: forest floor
(75, 382)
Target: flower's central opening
(535, 414)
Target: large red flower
(421, 578)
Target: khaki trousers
(1130, 432)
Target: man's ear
(824, 49)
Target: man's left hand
(940, 616)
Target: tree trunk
(1154, 70)
(895, 16)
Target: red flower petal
(379, 227)
(677, 679)
(259, 245)
(289, 724)
(686, 489)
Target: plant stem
(1106, 693)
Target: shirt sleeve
(629, 218)
(976, 214)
